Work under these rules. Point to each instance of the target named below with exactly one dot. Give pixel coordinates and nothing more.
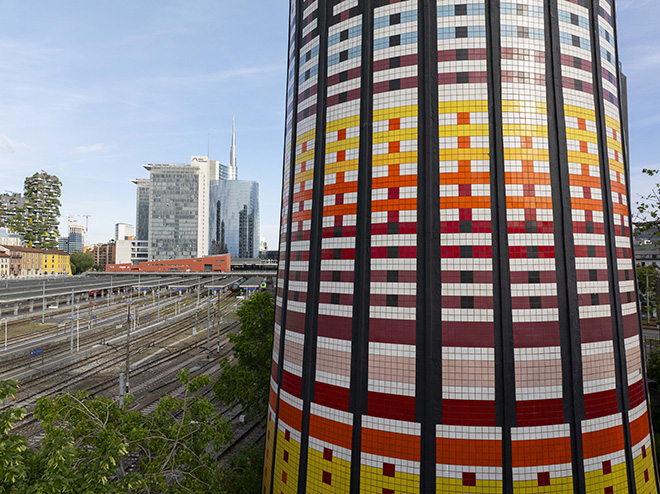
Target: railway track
(164, 367)
(104, 329)
(117, 309)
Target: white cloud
(89, 149)
(9, 146)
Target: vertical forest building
(456, 301)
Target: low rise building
(221, 263)
(4, 265)
(31, 261)
(56, 262)
(7, 237)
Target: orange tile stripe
(639, 429)
(552, 451)
(330, 431)
(340, 210)
(603, 442)
(384, 443)
(394, 205)
(465, 202)
(470, 452)
(290, 415)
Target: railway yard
(67, 335)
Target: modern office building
(178, 208)
(76, 238)
(139, 251)
(456, 307)
(142, 208)
(234, 218)
(124, 231)
(63, 244)
(173, 208)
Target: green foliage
(81, 262)
(653, 367)
(648, 280)
(90, 443)
(12, 447)
(245, 472)
(245, 378)
(647, 218)
(38, 220)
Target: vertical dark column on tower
(287, 262)
(314, 273)
(623, 399)
(428, 379)
(568, 303)
(360, 330)
(505, 399)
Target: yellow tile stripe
(612, 123)
(557, 486)
(397, 112)
(612, 144)
(463, 130)
(455, 486)
(583, 158)
(303, 176)
(618, 478)
(464, 154)
(341, 166)
(372, 481)
(390, 158)
(343, 145)
(616, 166)
(581, 135)
(339, 469)
(463, 106)
(395, 135)
(343, 123)
(290, 467)
(307, 136)
(579, 112)
(525, 130)
(306, 156)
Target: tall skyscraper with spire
(233, 171)
(456, 306)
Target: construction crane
(87, 217)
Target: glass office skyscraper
(234, 218)
(456, 307)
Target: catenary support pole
(72, 320)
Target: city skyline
(80, 98)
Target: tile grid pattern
(469, 444)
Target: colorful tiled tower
(456, 303)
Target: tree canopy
(245, 378)
(95, 445)
(81, 262)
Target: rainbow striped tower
(456, 303)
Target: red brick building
(219, 263)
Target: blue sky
(91, 91)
